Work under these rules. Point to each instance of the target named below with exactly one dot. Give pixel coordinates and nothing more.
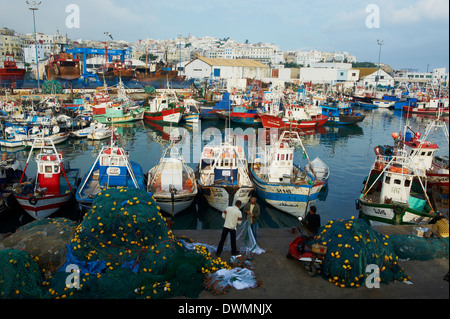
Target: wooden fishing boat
(54, 184)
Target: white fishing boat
(172, 182)
(223, 176)
(281, 183)
(388, 196)
(100, 133)
(40, 142)
(53, 186)
(84, 132)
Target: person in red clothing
(233, 217)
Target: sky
(415, 33)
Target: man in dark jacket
(312, 220)
(252, 211)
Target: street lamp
(33, 7)
(380, 43)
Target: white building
(331, 73)
(440, 77)
(368, 77)
(203, 67)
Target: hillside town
(219, 60)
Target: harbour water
(348, 150)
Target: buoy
(395, 135)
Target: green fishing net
(354, 252)
(20, 276)
(123, 248)
(419, 248)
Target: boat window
(282, 157)
(407, 183)
(48, 169)
(387, 180)
(291, 157)
(429, 153)
(423, 153)
(397, 181)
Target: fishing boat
(223, 176)
(246, 114)
(281, 183)
(433, 106)
(369, 105)
(388, 196)
(382, 103)
(191, 113)
(84, 132)
(422, 153)
(164, 108)
(100, 133)
(37, 142)
(172, 182)
(294, 117)
(209, 112)
(54, 184)
(119, 114)
(63, 66)
(342, 114)
(112, 168)
(9, 71)
(111, 71)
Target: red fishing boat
(433, 106)
(9, 71)
(274, 121)
(164, 109)
(53, 186)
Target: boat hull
(289, 198)
(167, 116)
(221, 197)
(123, 119)
(245, 118)
(429, 111)
(271, 121)
(381, 214)
(180, 203)
(45, 206)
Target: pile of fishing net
(123, 248)
(419, 248)
(355, 252)
(45, 240)
(20, 276)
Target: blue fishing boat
(281, 183)
(369, 105)
(112, 168)
(209, 112)
(341, 114)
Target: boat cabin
(113, 170)
(281, 163)
(421, 152)
(49, 173)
